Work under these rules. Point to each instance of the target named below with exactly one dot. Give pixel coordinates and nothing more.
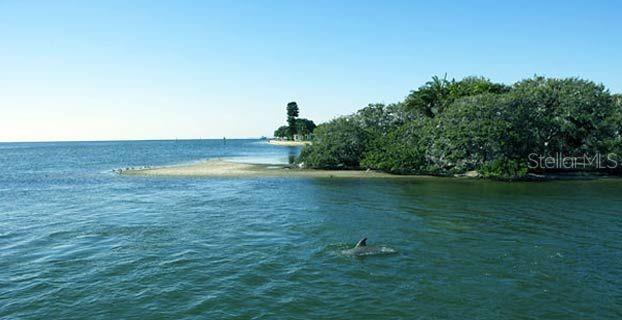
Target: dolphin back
(361, 243)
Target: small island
(536, 129)
(297, 132)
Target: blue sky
(87, 70)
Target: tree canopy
(304, 127)
(292, 114)
(452, 127)
(282, 132)
(301, 127)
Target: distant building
(301, 137)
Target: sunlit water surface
(79, 242)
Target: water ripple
(76, 242)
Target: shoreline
(288, 143)
(220, 168)
(216, 168)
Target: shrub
(337, 144)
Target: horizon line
(136, 140)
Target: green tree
(282, 132)
(343, 141)
(402, 150)
(432, 98)
(472, 86)
(305, 127)
(448, 127)
(429, 99)
(337, 144)
(378, 118)
(292, 114)
(472, 132)
(571, 116)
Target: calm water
(78, 242)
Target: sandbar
(221, 168)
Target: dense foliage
(453, 127)
(296, 128)
(304, 127)
(282, 132)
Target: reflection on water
(293, 152)
(79, 242)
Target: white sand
(288, 143)
(219, 168)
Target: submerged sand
(220, 168)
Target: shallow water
(77, 241)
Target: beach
(221, 168)
(288, 143)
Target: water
(78, 242)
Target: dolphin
(362, 249)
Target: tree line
(448, 127)
(296, 127)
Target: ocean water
(79, 242)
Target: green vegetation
(292, 114)
(453, 127)
(296, 128)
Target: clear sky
(98, 70)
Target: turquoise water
(78, 242)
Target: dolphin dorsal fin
(362, 242)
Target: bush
(449, 127)
(432, 98)
(401, 151)
(571, 116)
(471, 132)
(281, 132)
(338, 144)
(503, 169)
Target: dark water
(77, 242)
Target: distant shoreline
(288, 143)
(220, 168)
